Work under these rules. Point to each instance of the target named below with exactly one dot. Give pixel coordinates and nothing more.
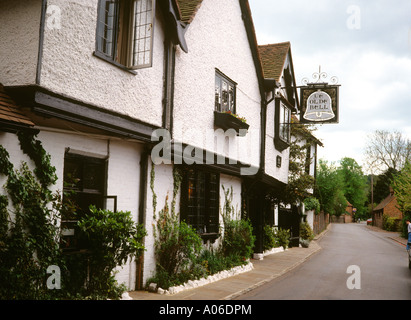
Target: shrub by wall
(30, 237)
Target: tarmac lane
(355, 263)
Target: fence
(321, 221)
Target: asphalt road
(355, 263)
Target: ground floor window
(84, 185)
(200, 200)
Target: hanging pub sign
(319, 101)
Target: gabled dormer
(278, 65)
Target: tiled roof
(273, 58)
(10, 112)
(188, 9)
(385, 202)
(294, 120)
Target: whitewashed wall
(123, 178)
(216, 39)
(70, 68)
(271, 152)
(123, 170)
(310, 218)
(229, 182)
(163, 187)
(19, 34)
(11, 143)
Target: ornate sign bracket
(318, 76)
(319, 99)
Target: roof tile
(273, 58)
(188, 9)
(10, 111)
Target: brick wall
(320, 222)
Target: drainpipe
(142, 208)
(168, 89)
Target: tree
(402, 189)
(354, 184)
(383, 184)
(329, 189)
(299, 181)
(387, 150)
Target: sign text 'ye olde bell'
(319, 100)
(319, 107)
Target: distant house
(389, 208)
(349, 213)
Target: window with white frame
(125, 32)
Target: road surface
(355, 263)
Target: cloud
(371, 56)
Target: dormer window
(125, 32)
(284, 125)
(282, 137)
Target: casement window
(125, 32)
(282, 119)
(225, 93)
(84, 184)
(200, 201)
(285, 119)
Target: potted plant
(229, 120)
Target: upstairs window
(285, 119)
(282, 137)
(125, 32)
(225, 93)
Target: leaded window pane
(125, 31)
(201, 210)
(143, 16)
(106, 29)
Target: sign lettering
(319, 104)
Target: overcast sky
(366, 44)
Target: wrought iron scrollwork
(319, 76)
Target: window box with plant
(228, 120)
(225, 116)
